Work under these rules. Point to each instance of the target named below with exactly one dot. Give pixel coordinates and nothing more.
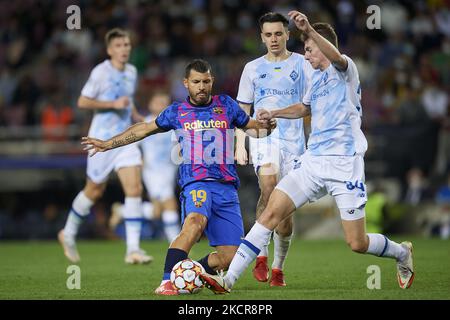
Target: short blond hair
(115, 33)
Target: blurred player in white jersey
(277, 79)
(109, 92)
(332, 164)
(159, 173)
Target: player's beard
(201, 100)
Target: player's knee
(357, 246)
(94, 193)
(193, 226)
(133, 190)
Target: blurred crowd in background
(404, 70)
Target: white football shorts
(160, 181)
(262, 152)
(103, 163)
(340, 176)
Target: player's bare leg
(282, 241)
(380, 245)
(280, 207)
(192, 230)
(355, 234)
(80, 209)
(130, 178)
(268, 178)
(170, 218)
(221, 259)
(218, 262)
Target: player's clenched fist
(121, 102)
(263, 115)
(300, 20)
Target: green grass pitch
(315, 270)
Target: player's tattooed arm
(130, 138)
(295, 111)
(134, 133)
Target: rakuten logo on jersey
(200, 125)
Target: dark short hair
(115, 33)
(273, 17)
(325, 30)
(198, 65)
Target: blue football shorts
(219, 203)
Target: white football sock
(147, 210)
(81, 207)
(132, 214)
(380, 245)
(171, 224)
(256, 238)
(265, 249)
(281, 247)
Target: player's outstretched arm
(134, 133)
(89, 103)
(260, 129)
(327, 48)
(295, 111)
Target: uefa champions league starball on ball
(185, 276)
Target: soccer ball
(185, 276)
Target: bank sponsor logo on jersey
(322, 94)
(276, 92)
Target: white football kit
(334, 161)
(159, 170)
(272, 85)
(107, 83)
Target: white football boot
(405, 269)
(70, 248)
(138, 257)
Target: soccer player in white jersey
(332, 164)
(109, 91)
(159, 173)
(277, 79)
